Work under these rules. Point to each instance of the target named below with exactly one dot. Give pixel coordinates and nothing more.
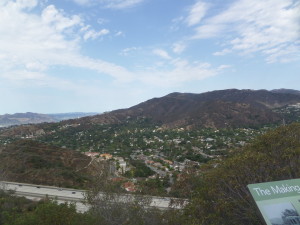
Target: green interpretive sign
(278, 202)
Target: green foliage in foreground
(11, 206)
(223, 197)
(21, 211)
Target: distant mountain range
(215, 109)
(33, 118)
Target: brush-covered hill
(34, 118)
(24, 118)
(33, 162)
(223, 196)
(230, 108)
(216, 109)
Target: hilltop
(217, 109)
(229, 108)
(223, 109)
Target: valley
(147, 149)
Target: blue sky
(101, 55)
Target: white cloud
(101, 21)
(223, 52)
(119, 33)
(112, 4)
(222, 67)
(34, 79)
(120, 4)
(179, 48)
(23, 75)
(119, 73)
(36, 42)
(196, 13)
(35, 66)
(178, 72)
(176, 23)
(43, 3)
(82, 2)
(92, 34)
(20, 4)
(33, 43)
(53, 17)
(208, 31)
(127, 51)
(163, 54)
(270, 27)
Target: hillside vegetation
(33, 162)
(218, 194)
(230, 108)
(223, 197)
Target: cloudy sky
(100, 55)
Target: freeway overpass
(38, 192)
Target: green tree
(223, 197)
(52, 213)
(111, 206)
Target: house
(106, 156)
(92, 154)
(122, 168)
(129, 186)
(168, 161)
(122, 164)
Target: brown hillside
(216, 109)
(32, 162)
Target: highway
(38, 192)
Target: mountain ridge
(229, 108)
(215, 109)
(34, 118)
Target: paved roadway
(37, 192)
